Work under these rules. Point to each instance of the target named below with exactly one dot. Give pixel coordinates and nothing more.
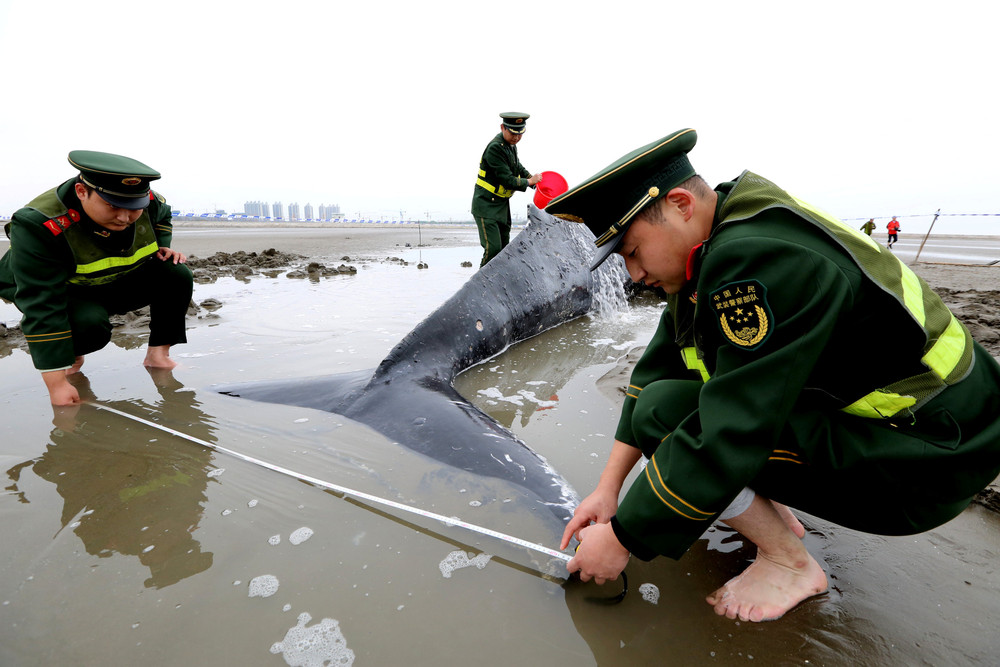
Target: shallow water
(126, 544)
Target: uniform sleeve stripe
(783, 458)
(667, 489)
(46, 337)
(665, 502)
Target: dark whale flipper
(539, 281)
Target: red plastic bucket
(551, 186)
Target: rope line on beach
(923, 215)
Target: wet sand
(128, 545)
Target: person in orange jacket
(893, 228)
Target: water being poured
(608, 291)
(609, 298)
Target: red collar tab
(58, 224)
(689, 271)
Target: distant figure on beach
(96, 245)
(759, 391)
(868, 227)
(893, 228)
(501, 174)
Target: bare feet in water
(783, 574)
(159, 357)
(769, 588)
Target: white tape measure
(450, 521)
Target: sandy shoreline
(179, 561)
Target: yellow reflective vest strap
(694, 363)
(498, 190)
(948, 348)
(106, 263)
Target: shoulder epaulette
(60, 223)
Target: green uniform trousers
(163, 286)
(494, 235)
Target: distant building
(309, 212)
(293, 211)
(279, 211)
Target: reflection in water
(132, 497)
(512, 388)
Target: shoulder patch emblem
(744, 316)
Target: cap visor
(606, 251)
(130, 203)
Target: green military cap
(514, 121)
(608, 201)
(119, 180)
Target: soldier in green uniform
(501, 174)
(759, 392)
(96, 245)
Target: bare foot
(159, 357)
(77, 365)
(790, 519)
(769, 588)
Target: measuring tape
(451, 521)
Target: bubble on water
(216, 472)
(650, 593)
(274, 540)
(75, 524)
(149, 548)
(287, 607)
(303, 420)
(475, 503)
(226, 512)
(252, 503)
(300, 535)
(263, 586)
(317, 646)
(458, 560)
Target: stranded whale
(540, 280)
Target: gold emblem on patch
(744, 316)
(654, 192)
(131, 180)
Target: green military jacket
(798, 312)
(38, 269)
(500, 175)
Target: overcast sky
(862, 108)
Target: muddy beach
(128, 545)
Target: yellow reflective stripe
(628, 392)
(948, 350)
(879, 405)
(855, 233)
(693, 363)
(913, 294)
(115, 262)
(498, 190)
(652, 463)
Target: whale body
(540, 280)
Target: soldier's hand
(169, 254)
(61, 392)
